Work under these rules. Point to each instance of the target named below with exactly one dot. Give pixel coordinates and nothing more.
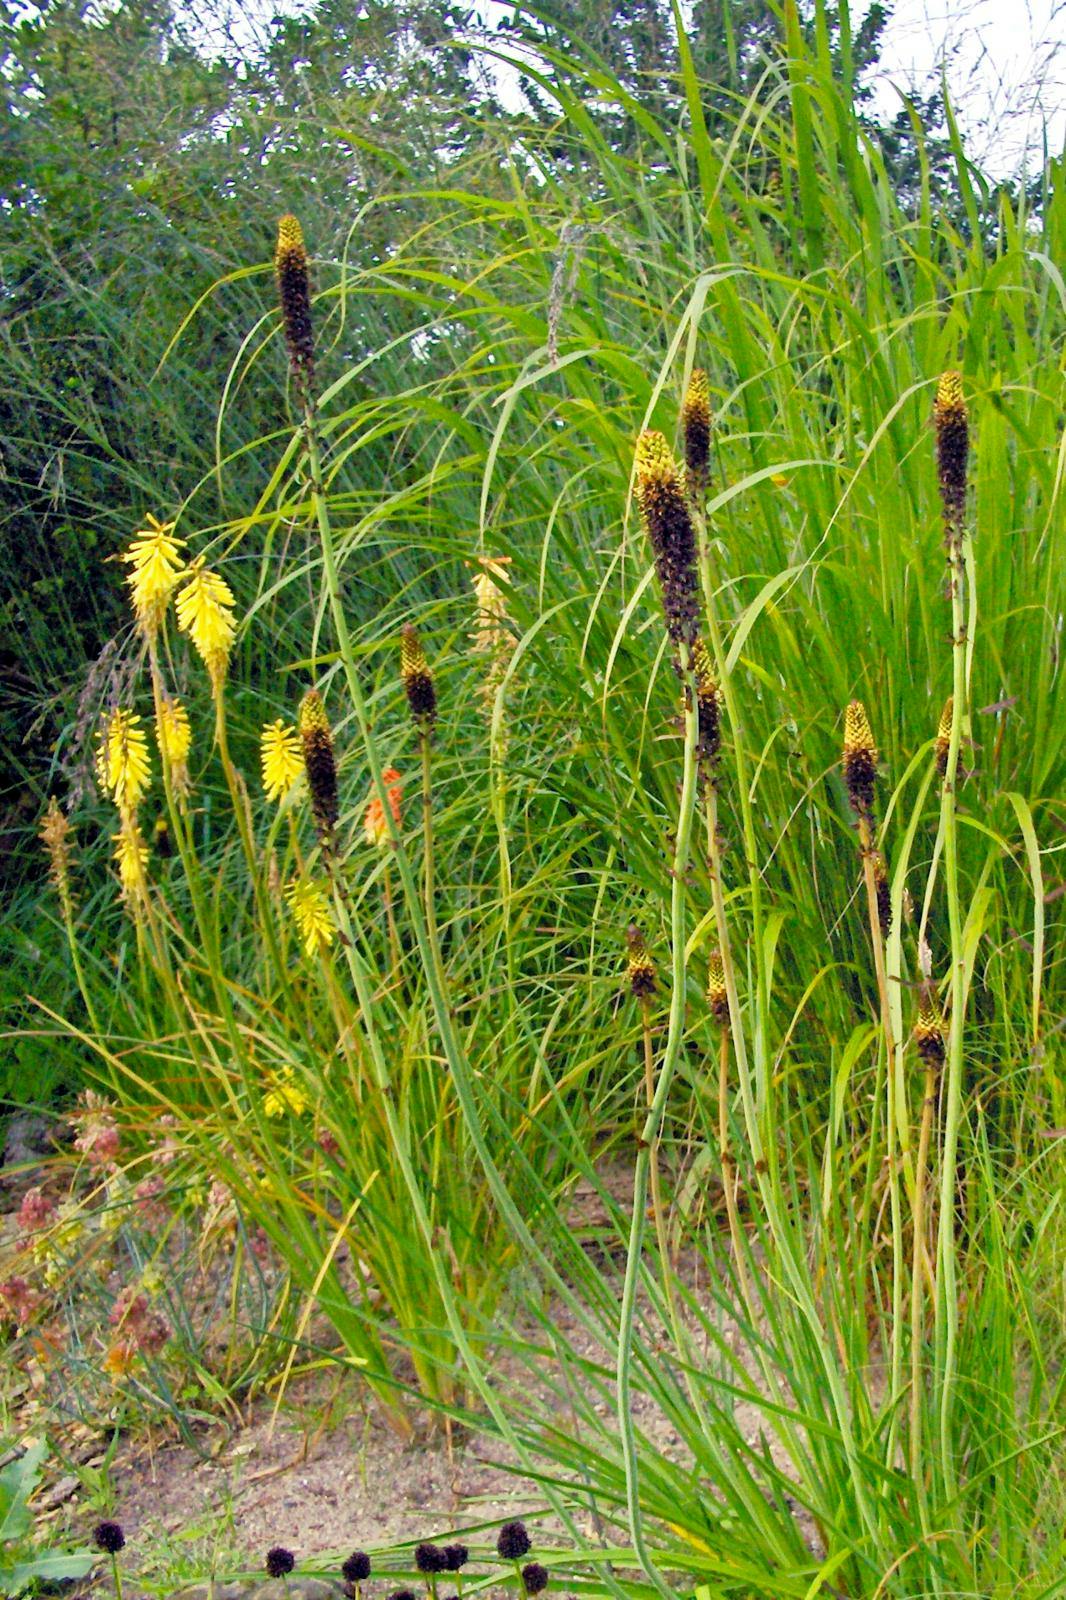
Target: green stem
(947, 1311)
(649, 1138)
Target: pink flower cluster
(18, 1301)
(36, 1211)
(98, 1140)
(139, 1330)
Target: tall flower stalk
(951, 424)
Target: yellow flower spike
(174, 738)
(205, 613)
(311, 912)
(122, 764)
(157, 571)
(131, 857)
(281, 758)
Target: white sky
(1005, 62)
(1006, 70)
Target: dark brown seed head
(929, 1031)
(356, 1568)
(952, 453)
(534, 1578)
(717, 994)
(429, 1558)
(280, 1562)
(456, 1557)
(640, 969)
(294, 293)
(512, 1541)
(943, 735)
(109, 1537)
(319, 763)
(696, 427)
(417, 679)
(860, 758)
(668, 524)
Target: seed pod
(534, 1578)
(952, 453)
(279, 1562)
(668, 524)
(943, 735)
(294, 293)
(929, 1030)
(319, 763)
(417, 680)
(717, 994)
(860, 758)
(696, 427)
(640, 969)
(356, 1567)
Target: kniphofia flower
(174, 738)
(205, 613)
(374, 824)
(157, 569)
(281, 758)
(122, 764)
(311, 912)
(131, 857)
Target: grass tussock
(592, 631)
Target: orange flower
(374, 824)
